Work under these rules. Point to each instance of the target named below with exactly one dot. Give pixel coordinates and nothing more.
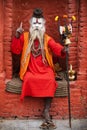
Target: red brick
(11, 106)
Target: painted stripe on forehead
(36, 20)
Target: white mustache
(42, 30)
(35, 33)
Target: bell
(67, 41)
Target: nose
(37, 26)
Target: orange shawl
(48, 53)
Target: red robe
(39, 80)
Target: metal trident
(65, 32)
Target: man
(36, 69)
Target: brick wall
(78, 59)
(15, 11)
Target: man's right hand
(19, 31)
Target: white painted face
(37, 24)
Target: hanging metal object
(65, 32)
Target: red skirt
(39, 80)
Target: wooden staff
(68, 85)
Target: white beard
(35, 33)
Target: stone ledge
(15, 86)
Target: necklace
(36, 48)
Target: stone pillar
(82, 46)
(8, 24)
(2, 73)
(73, 54)
(1, 39)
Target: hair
(34, 33)
(37, 13)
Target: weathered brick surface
(1, 35)
(82, 41)
(15, 11)
(8, 14)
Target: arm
(17, 44)
(56, 48)
(16, 49)
(18, 41)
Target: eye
(34, 22)
(39, 23)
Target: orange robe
(38, 78)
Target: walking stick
(66, 44)
(65, 32)
(66, 41)
(68, 85)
